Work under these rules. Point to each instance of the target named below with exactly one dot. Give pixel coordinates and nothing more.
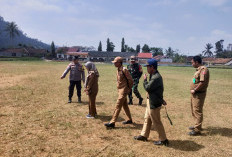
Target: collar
(199, 68)
(120, 68)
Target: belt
(200, 92)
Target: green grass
(36, 119)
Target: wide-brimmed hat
(117, 59)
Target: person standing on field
(136, 72)
(91, 88)
(124, 85)
(77, 73)
(198, 91)
(154, 88)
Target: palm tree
(12, 30)
(169, 52)
(207, 51)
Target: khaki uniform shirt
(92, 84)
(123, 76)
(77, 72)
(201, 75)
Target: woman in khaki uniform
(91, 88)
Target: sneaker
(140, 101)
(109, 125)
(89, 116)
(194, 133)
(140, 138)
(191, 128)
(69, 100)
(165, 142)
(127, 122)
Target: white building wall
(167, 60)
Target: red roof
(15, 50)
(39, 51)
(217, 60)
(62, 49)
(145, 55)
(222, 60)
(77, 53)
(73, 49)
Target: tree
(207, 51)
(53, 50)
(109, 46)
(112, 46)
(146, 48)
(169, 52)
(123, 45)
(219, 48)
(130, 49)
(12, 30)
(138, 48)
(99, 46)
(156, 51)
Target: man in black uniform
(136, 72)
(77, 74)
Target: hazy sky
(186, 25)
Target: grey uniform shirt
(77, 72)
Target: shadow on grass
(87, 103)
(100, 103)
(104, 118)
(133, 126)
(185, 145)
(219, 131)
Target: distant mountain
(22, 39)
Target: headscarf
(91, 68)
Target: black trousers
(71, 88)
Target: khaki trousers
(197, 102)
(121, 102)
(92, 104)
(152, 116)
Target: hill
(23, 39)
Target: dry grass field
(36, 120)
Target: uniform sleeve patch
(203, 72)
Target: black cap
(152, 62)
(75, 57)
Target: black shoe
(109, 125)
(140, 138)
(191, 128)
(79, 99)
(130, 102)
(140, 101)
(127, 122)
(165, 142)
(69, 100)
(194, 133)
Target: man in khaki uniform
(124, 85)
(154, 88)
(198, 91)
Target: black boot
(130, 102)
(140, 101)
(69, 100)
(79, 99)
